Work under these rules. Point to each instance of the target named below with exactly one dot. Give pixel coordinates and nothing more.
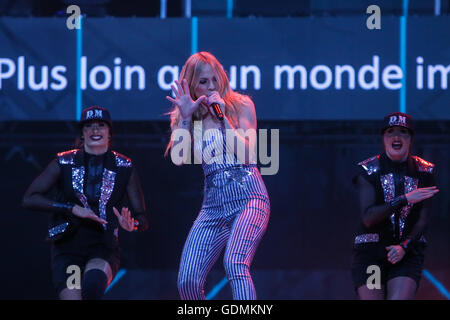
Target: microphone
(217, 111)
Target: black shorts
(77, 251)
(365, 255)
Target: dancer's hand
(125, 219)
(421, 194)
(87, 213)
(183, 99)
(395, 253)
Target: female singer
(236, 207)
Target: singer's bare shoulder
(247, 117)
(248, 107)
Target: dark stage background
(306, 252)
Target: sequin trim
(238, 175)
(387, 183)
(410, 185)
(366, 238)
(107, 189)
(371, 165)
(67, 157)
(77, 185)
(423, 166)
(77, 179)
(388, 186)
(374, 237)
(121, 160)
(235, 173)
(60, 228)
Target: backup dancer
(91, 184)
(395, 191)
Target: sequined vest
(391, 180)
(116, 173)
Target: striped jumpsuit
(234, 216)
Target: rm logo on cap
(400, 121)
(94, 114)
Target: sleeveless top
(217, 154)
(391, 179)
(226, 178)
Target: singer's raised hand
(183, 99)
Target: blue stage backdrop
(295, 69)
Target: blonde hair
(191, 72)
